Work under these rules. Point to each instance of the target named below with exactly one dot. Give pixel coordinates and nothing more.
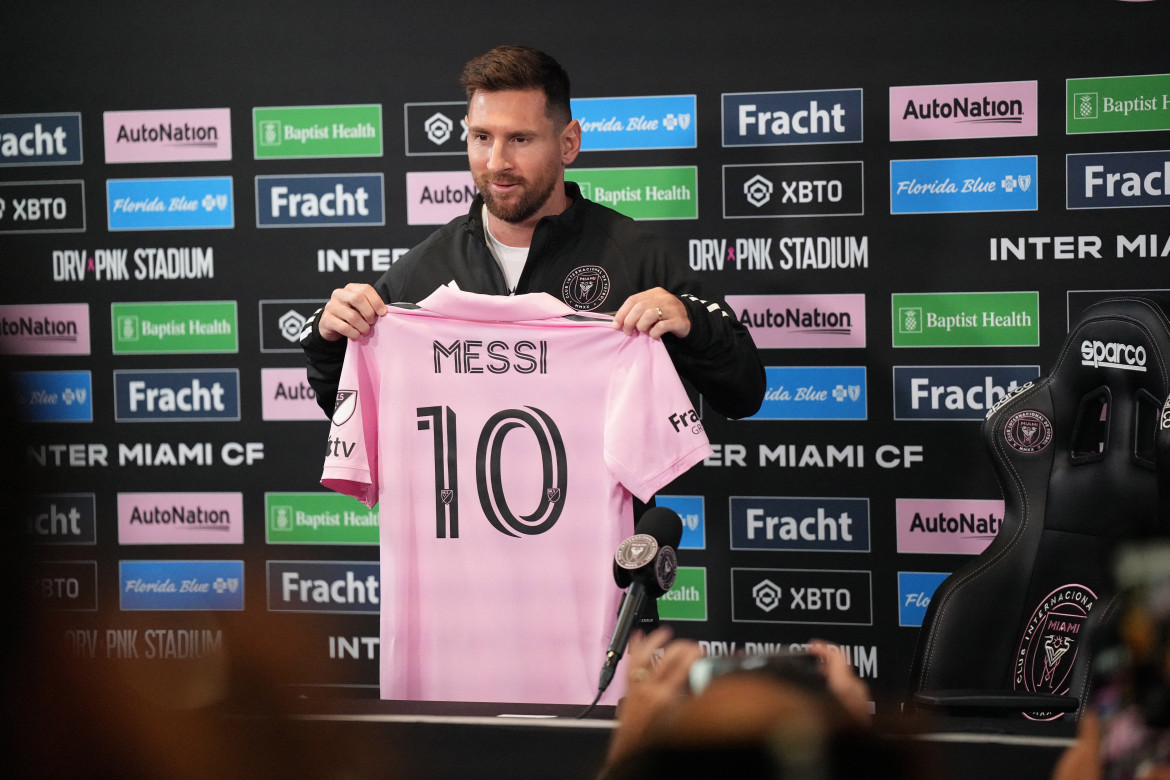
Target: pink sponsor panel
(802, 321)
(437, 197)
(951, 526)
(986, 110)
(287, 395)
(179, 135)
(44, 329)
(180, 518)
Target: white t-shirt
(502, 438)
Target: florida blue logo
(814, 393)
(54, 396)
(652, 122)
(181, 585)
(690, 511)
(963, 184)
(197, 203)
(915, 590)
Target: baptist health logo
(1118, 104)
(174, 327)
(287, 132)
(988, 319)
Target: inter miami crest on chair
(1083, 459)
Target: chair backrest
(1082, 456)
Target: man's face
(516, 153)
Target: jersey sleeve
(652, 432)
(351, 454)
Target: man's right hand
(351, 312)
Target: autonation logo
(650, 122)
(802, 321)
(814, 393)
(987, 110)
(963, 184)
(802, 117)
(44, 329)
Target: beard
(528, 202)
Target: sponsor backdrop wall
(906, 203)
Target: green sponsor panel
(1118, 104)
(174, 327)
(318, 518)
(687, 600)
(317, 131)
(993, 319)
(642, 193)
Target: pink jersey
(502, 438)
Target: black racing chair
(1083, 458)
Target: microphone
(647, 563)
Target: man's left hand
(653, 312)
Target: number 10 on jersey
(490, 466)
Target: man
(529, 230)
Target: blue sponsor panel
(54, 396)
(181, 585)
(177, 395)
(40, 139)
(196, 203)
(803, 117)
(320, 200)
(814, 393)
(963, 184)
(799, 523)
(650, 122)
(954, 392)
(334, 587)
(1118, 180)
(915, 590)
(690, 511)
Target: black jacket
(591, 257)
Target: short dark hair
(520, 67)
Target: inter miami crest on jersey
(586, 288)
